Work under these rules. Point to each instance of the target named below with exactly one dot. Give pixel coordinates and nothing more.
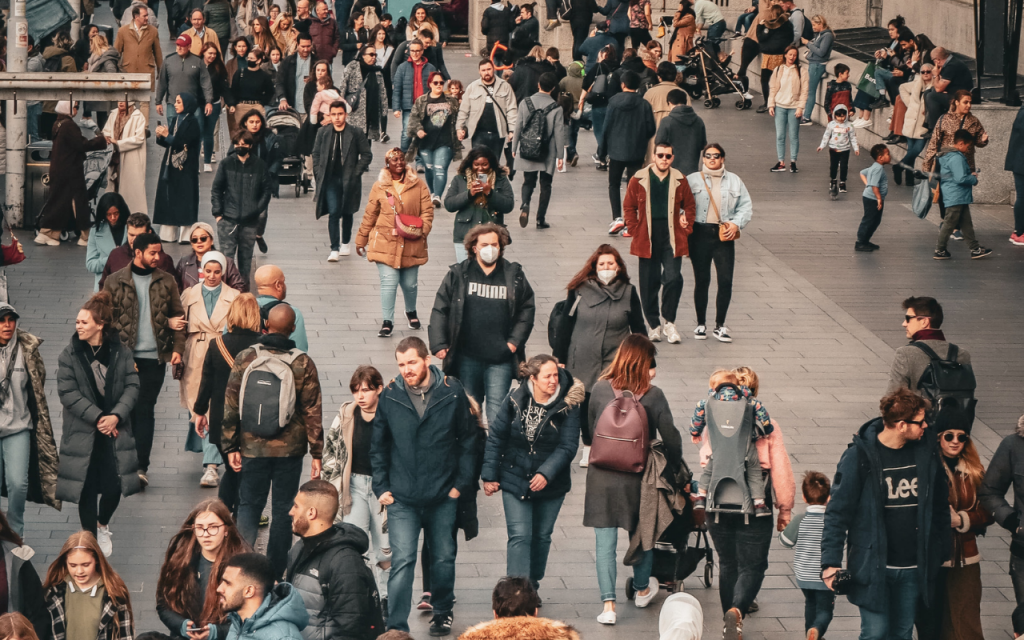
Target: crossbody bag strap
(224, 351)
(710, 197)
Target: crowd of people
(409, 454)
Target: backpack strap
(224, 351)
(529, 106)
(618, 394)
(928, 351)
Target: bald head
(939, 53)
(270, 282)
(281, 319)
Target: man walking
(657, 97)
(122, 256)
(182, 72)
(271, 290)
(294, 72)
(628, 125)
(200, 34)
(410, 82)
(241, 191)
(423, 454)
(326, 566)
(544, 144)
(139, 46)
(257, 448)
(482, 317)
(149, 317)
(488, 113)
(660, 212)
(341, 155)
(684, 131)
(923, 322)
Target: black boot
(909, 181)
(897, 174)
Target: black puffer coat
(511, 459)
(337, 587)
(241, 190)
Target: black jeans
(872, 218)
(1018, 205)
(530, 183)
(748, 52)
(928, 619)
(102, 483)
(935, 104)
(579, 34)
(615, 170)
(256, 478)
(838, 160)
(490, 139)
(706, 247)
(818, 607)
(228, 489)
(662, 272)
(1017, 577)
(151, 380)
(742, 557)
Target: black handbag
(561, 324)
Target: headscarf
(190, 104)
(214, 256)
(64, 108)
(208, 229)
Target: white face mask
(488, 254)
(607, 275)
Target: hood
(283, 604)
(868, 432)
(628, 100)
(684, 115)
(841, 107)
(570, 390)
(346, 535)
(576, 69)
(53, 51)
(109, 54)
(521, 628)
(946, 151)
(681, 618)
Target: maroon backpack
(621, 435)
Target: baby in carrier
(723, 386)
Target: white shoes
(671, 334)
(652, 590)
(210, 477)
(207, 168)
(722, 334)
(333, 257)
(585, 458)
(103, 538)
(700, 333)
(44, 239)
(346, 250)
(435, 200)
(860, 124)
(654, 335)
(82, 241)
(607, 617)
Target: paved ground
(818, 322)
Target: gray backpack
(266, 401)
(730, 425)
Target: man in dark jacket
(424, 457)
(684, 131)
(410, 82)
(890, 508)
(183, 72)
(149, 317)
(483, 307)
(241, 192)
(581, 16)
(294, 71)
(121, 257)
(496, 25)
(326, 566)
(592, 46)
(628, 125)
(324, 31)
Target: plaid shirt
(124, 629)
(762, 421)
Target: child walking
(839, 91)
(876, 188)
(840, 136)
(958, 182)
(723, 386)
(804, 533)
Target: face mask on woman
(607, 275)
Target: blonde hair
(244, 313)
(538, 52)
(722, 376)
(15, 626)
(820, 19)
(98, 44)
(971, 462)
(748, 379)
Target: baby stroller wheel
(715, 102)
(630, 591)
(747, 103)
(298, 189)
(709, 574)
(709, 104)
(741, 104)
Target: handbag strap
(710, 197)
(224, 351)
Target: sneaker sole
(1019, 244)
(678, 340)
(941, 257)
(733, 626)
(723, 339)
(440, 634)
(703, 337)
(984, 255)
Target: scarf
(140, 271)
(714, 181)
(929, 334)
(417, 76)
(120, 121)
(8, 356)
(480, 200)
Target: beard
(232, 603)
(300, 526)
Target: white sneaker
(207, 168)
(213, 157)
(722, 334)
(654, 335)
(333, 257)
(103, 538)
(585, 458)
(671, 334)
(44, 239)
(346, 250)
(607, 617)
(435, 200)
(860, 124)
(210, 477)
(652, 590)
(616, 226)
(82, 241)
(700, 333)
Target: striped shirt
(803, 535)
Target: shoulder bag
(714, 205)
(406, 226)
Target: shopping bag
(866, 83)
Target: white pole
(17, 116)
(76, 24)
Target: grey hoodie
(684, 130)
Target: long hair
(216, 67)
(589, 270)
(631, 368)
(330, 79)
(475, 153)
(114, 585)
(98, 44)
(234, 51)
(177, 585)
(107, 200)
(971, 462)
(264, 39)
(957, 97)
(372, 38)
(14, 626)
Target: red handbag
(406, 226)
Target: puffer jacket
(218, 20)
(282, 616)
(377, 231)
(522, 627)
(1004, 471)
(108, 62)
(468, 212)
(164, 304)
(43, 461)
(403, 84)
(241, 191)
(337, 588)
(963, 497)
(512, 460)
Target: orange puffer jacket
(377, 231)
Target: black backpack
(808, 30)
(533, 141)
(947, 378)
(54, 64)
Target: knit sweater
(788, 87)
(804, 535)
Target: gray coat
(909, 364)
(356, 158)
(354, 92)
(82, 411)
(555, 129)
(605, 316)
(184, 75)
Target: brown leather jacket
(963, 498)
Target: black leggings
(102, 482)
(615, 171)
(838, 161)
(706, 247)
(748, 52)
(587, 436)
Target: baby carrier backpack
(730, 424)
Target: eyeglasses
(960, 437)
(200, 239)
(908, 318)
(712, 156)
(663, 156)
(370, 55)
(411, 50)
(212, 530)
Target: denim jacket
(735, 203)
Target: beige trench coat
(132, 145)
(200, 331)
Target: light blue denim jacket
(735, 204)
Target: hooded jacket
(1005, 470)
(521, 628)
(512, 459)
(337, 588)
(685, 131)
(636, 212)
(281, 617)
(956, 177)
(572, 83)
(43, 461)
(840, 136)
(855, 516)
(377, 231)
(628, 125)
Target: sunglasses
(200, 239)
(908, 318)
(919, 423)
(663, 156)
(437, 84)
(959, 437)
(712, 156)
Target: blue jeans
(597, 115)
(529, 523)
(207, 125)
(896, 622)
(34, 111)
(367, 515)
(436, 162)
(258, 474)
(15, 452)
(882, 76)
(606, 564)
(815, 72)
(405, 130)
(744, 21)
(574, 136)
(404, 525)
(390, 279)
(914, 148)
(490, 381)
(460, 252)
(333, 194)
(715, 33)
(785, 120)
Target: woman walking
(788, 94)
(261, 37)
(243, 325)
(176, 207)
(353, 38)
(530, 445)
(189, 266)
(393, 234)
(774, 36)
(684, 24)
(98, 386)
(365, 91)
(108, 233)
(480, 193)
(607, 63)
(723, 208)
(819, 50)
(186, 591)
(958, 117)
(285, 34)
(126, 130)
(221, 93)
(605, 309)
(613, 497)
(381, 42)
(251, 88)
(434, 137)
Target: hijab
(64, 108)
(190, 103)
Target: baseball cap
(7, 310)
(184, 40)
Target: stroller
(705, 76)
(675, 560)
(285, 125)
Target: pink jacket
(771, 451)
(322, 101)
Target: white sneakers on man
(654, 335)
(671, 334)
(346, 249)
(333, 257)
(211, 478)
(103, 538)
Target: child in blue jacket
(956, 181)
